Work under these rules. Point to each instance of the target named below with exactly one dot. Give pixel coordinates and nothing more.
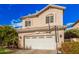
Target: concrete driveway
(35, 52)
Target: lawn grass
(5, 51)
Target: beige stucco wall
(41, 19)
(61, 39)
(20, 41)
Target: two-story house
(43, 30)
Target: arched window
(50, 18)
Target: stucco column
(21, 42)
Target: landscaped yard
(70, 48)
(6, 51)
(9, 39)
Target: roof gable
(47, 7)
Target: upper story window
(27, 23)
(49, 19)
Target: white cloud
(69, 28)
(12, 22)
(69, 24)
(15, 23)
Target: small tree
(8, 36)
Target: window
(49, 19)
(27, 23)
(34, 37)
(48, 36)
(27, 37)
(41, 36)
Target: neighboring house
(76, 25)
(38, 30)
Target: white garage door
(40, 42)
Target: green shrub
(70, 48)
(73, 33)
(5, 51)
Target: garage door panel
(45, 42)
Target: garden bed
(70, 48)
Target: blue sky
(9, 12)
